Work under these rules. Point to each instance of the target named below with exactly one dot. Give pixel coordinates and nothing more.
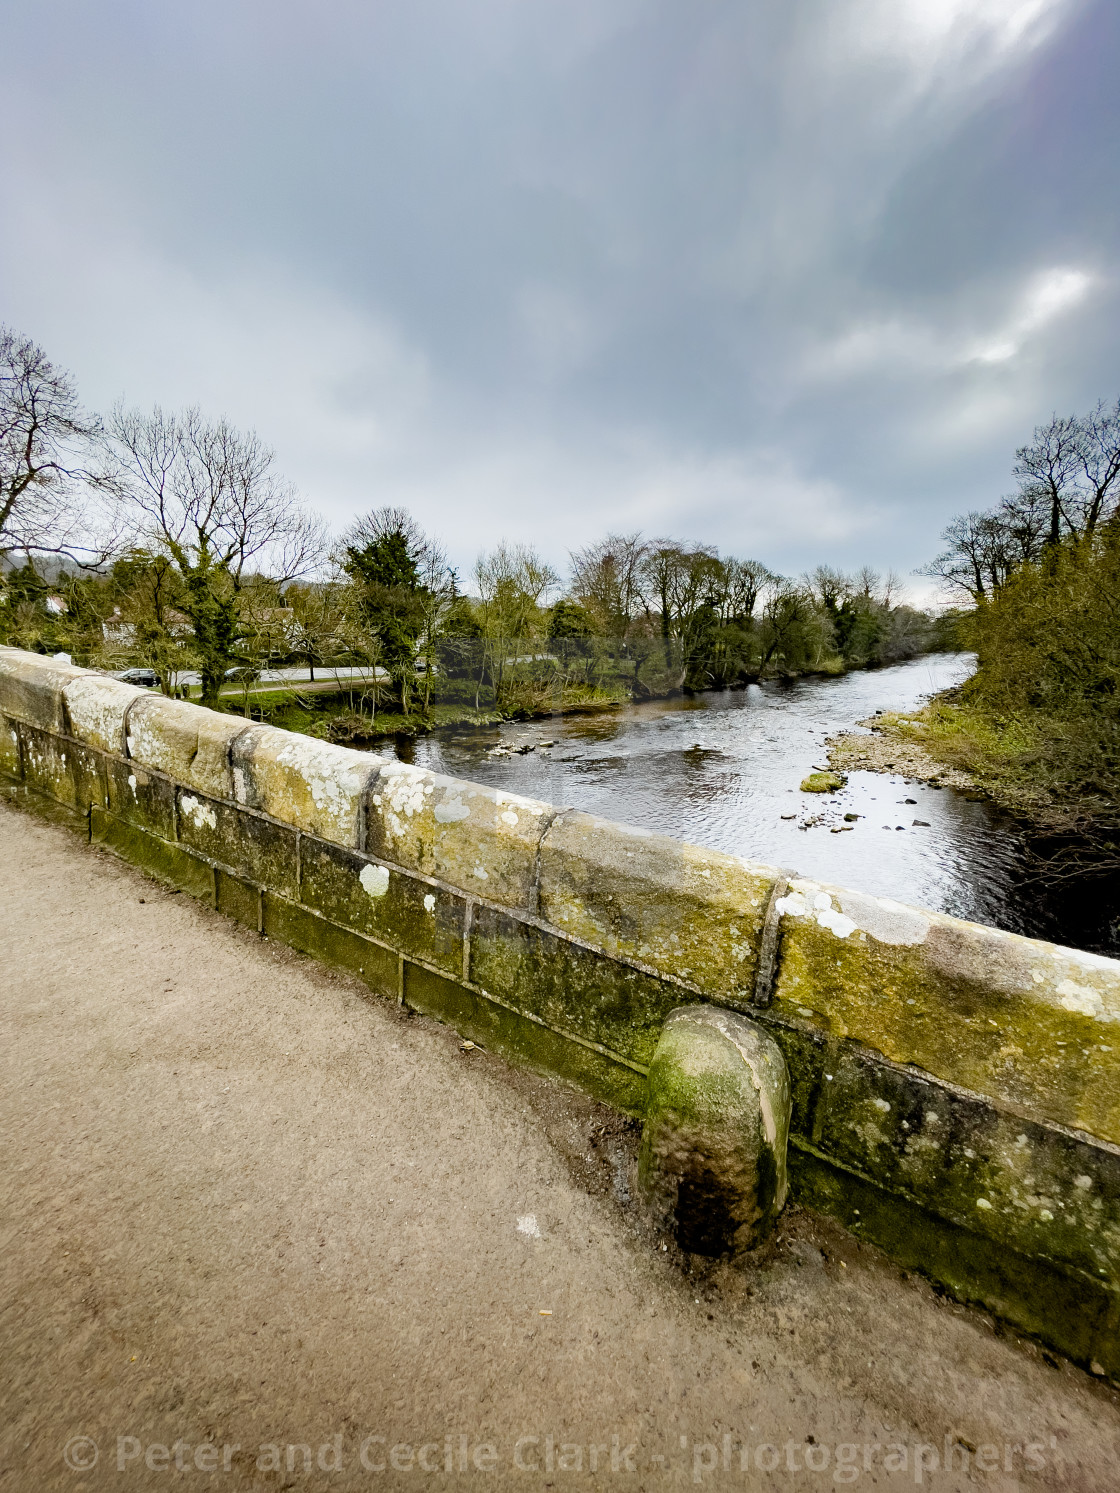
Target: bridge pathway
(244, 1205)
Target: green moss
(823, 782)
(1016, 1048)
(707, 1165)
(302, 929)
(238, 899)
(263, 851)
(140, 797)
(417, 918)
(165, 861)
(1075, 1315)
(568, 986)
(521, 1040)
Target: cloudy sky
(793, 277)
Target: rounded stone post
(713, 1159)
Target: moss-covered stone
(823, 782)
(257, 848)
(10, 763)
(1026, 1023)
(189, 744)
(19, 795)
(417, 917)
(95, 710)
(237, 898)
(1037, 1189)
(475, 838)
(141, 797)
(688, 912)
(569, 987)
(308, 784)
(1074, 1314)
(713, 1156)
(64, 769)
(522, 1040)
(160, 858)
(301, 928)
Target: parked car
(146, 677)
(242, 674)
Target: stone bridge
(951, 1092)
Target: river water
(722, 768)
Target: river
(722, 768)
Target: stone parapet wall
(955, 1089)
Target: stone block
(300, 928)
(311, 785)
(161, 858)
(65, 770)
(521, 1040)
(1071, 1312)
(10, 762)
(712, 1163)
(256, 848)
(141, 797)
(31, 688)
(410, 915)
(685, 911)
(188, 743)
(237, 898)
(95, 710)
(1041, 1191)
(476, 838)
(567, 986)
(1026, 1023)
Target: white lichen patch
(817, 906)
(1082, 998)
(332, 782)
(375, 880)
(876, 917)
(402, 794)
(429, 903)
(197, 812)
(451, 810)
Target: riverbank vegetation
(1038, 724)
(169, 542)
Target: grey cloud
(732, 272)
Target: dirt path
(245, 1207)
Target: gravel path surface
(265, 1230)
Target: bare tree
(1098, 453)
(973, 563)
(1050, 466)
(745, 583)
(607, 580)
(50, 478)
(205, 495)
